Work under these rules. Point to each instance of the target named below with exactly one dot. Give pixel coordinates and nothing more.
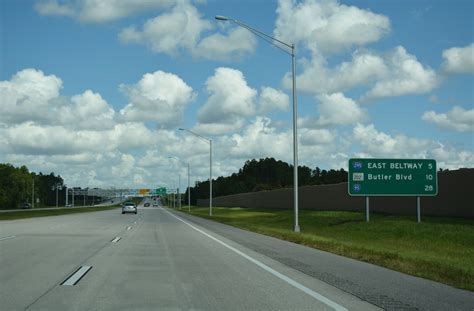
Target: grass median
(440, 249)
(53, 212)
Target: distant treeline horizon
(18, 183)
(265, 174)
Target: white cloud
(406, 76)
(379, 144)
(236, 43)
(99, 11)
(457, 119)
(230, 100)
(52, 7)
(271, 100)
(28, 95)
(170, 32)
(311, 137)
(88, 111)
(158, 96)
(328, 26)
(394, 74)
(459, 60)
(259, 140)
(183, 29)
(29, 138)
(335, 109)
(364, 69)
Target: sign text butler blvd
(392, 177)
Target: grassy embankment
(440, 249)
(21, 214)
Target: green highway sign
(160, 191)
(392, 177)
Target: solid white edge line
(283, 277)
(116, 239)
(73, 279)
(8, 237)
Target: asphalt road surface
(164, 260)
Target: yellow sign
(143, 191)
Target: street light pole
(189, 192)
(189, 188)
(285, 47)
(208, 140)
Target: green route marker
(392, 177)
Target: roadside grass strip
(56, 212)
(438, 248)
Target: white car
(129, 207)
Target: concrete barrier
(455, 198)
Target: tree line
(18, 185)
(265, 174)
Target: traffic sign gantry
(392, 177)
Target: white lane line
(129, 228)
(76, 276)
(8, 237)
(116, 239)
(290, 281)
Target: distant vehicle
(155, 204)
(129, 207)
(69, 205)
(147, 204)
(25, 206)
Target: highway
(161, 259)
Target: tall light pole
(189, 188)
(285, 48)
(208, 140)
(56, 187)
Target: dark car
(25, 205)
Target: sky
(96, 90)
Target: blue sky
(95, 91)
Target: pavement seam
(107, 243)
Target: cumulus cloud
(271, 99)
(393, 74)
(52, 7)
(259, 139)
(230, 101)
(375, 143)
(160, 97)
(406, 76)
(457, 119)
(30, 95)
(459, 59)
(328, 26)
(29, 138)
(170, 32)
(335, 109)
(98, 11)
(310, 137)
(234, 44)
(182, 29)
(364, 69)
(88, 111)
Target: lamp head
(221, 18)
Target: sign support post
(367, 209)
(418, 210)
